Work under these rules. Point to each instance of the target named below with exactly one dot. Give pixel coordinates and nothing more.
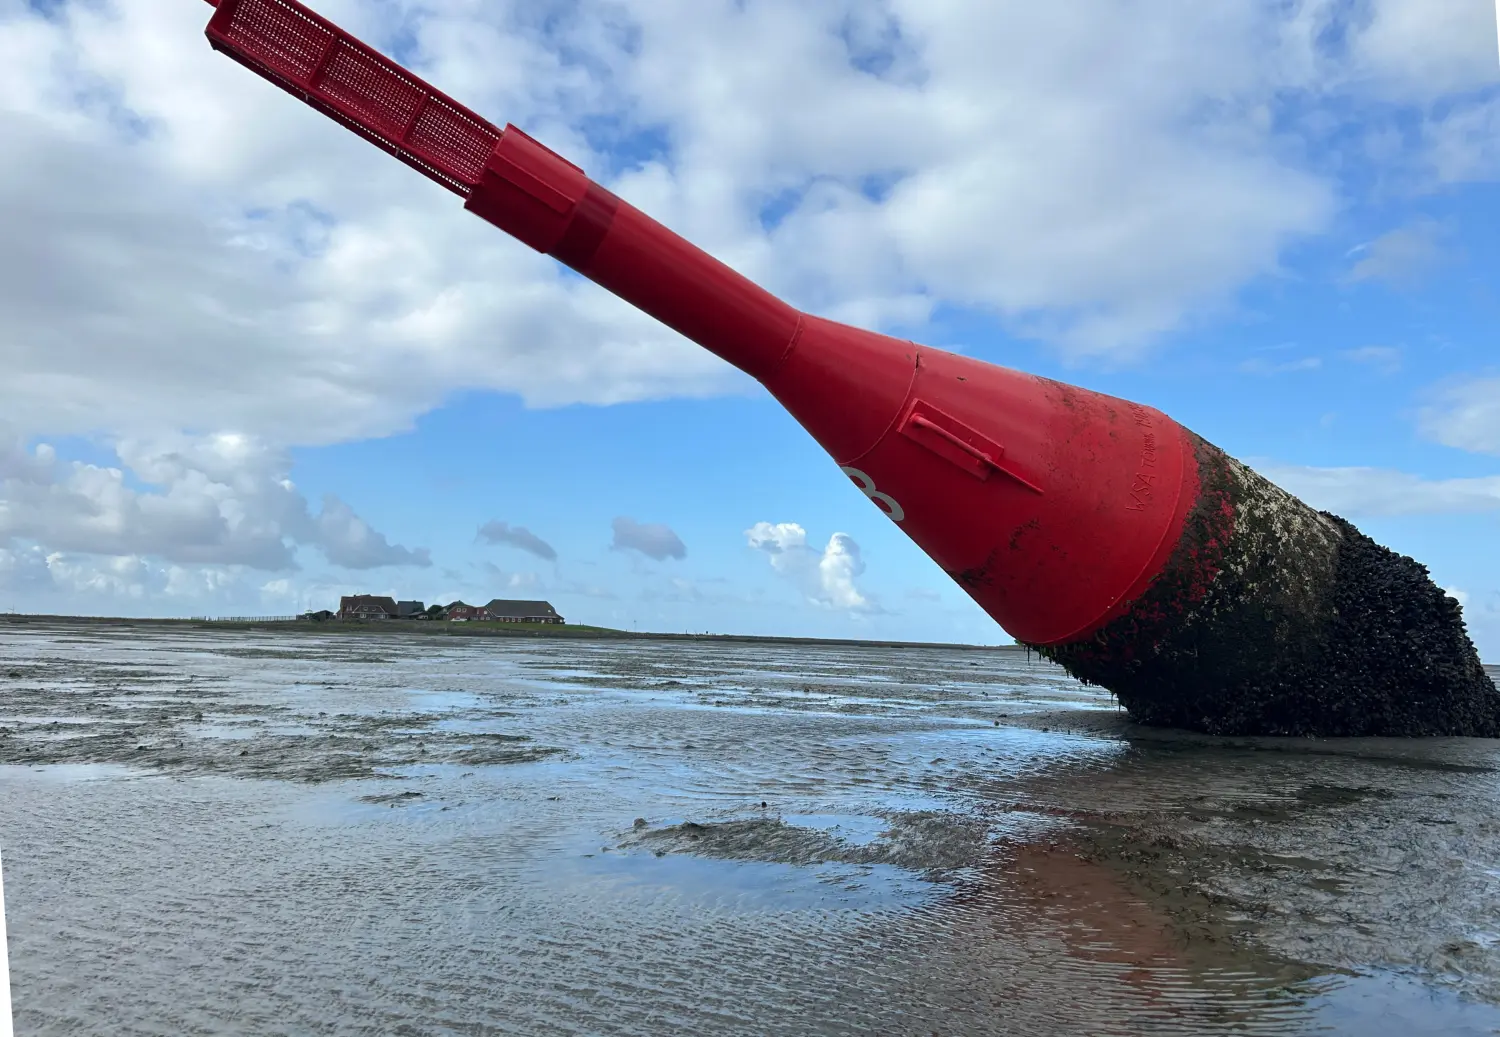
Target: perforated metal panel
(367, 92)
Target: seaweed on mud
(1273, 619)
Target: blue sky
(255, 364)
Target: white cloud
(218, 256)
(125, 576)
(188, 247)
(1355, 492)
(244, 263)
(497, 532)
(1424, 49)
(837, 570)
(1460, 596)
(221, 500)
(1466, 416)
(1464, 145)
(1419, 51)
(278, 590)
(652, 539)
(827, 577)
(24, 569)
(349, 541)
(35, 580)
(1400, 257)
(1097, 208)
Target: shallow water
(225, 833)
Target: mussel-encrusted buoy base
(1275, 619)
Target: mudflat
(210, 832)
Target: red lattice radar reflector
(317, 61)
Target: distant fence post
(248, 619)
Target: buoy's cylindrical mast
(536, 195)
(509, 179)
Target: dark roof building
(521, 611)
(408, 609)
(367, 606)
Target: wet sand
(239, 832)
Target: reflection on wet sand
(1100, 922)
(1176, 984)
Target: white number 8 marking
(885, 500)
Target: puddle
(1391, 1005)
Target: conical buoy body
(1052, 505)
(1096, 530)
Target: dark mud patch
(80, 713)
(1336, 796)
(392, 798)
(497, 749)
(258, 653)
(387, 720)
(318, 756)
(933, 844)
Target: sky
(250, 363)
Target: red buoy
(1052, 505)
(1095, 529)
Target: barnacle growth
(1272, 618)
